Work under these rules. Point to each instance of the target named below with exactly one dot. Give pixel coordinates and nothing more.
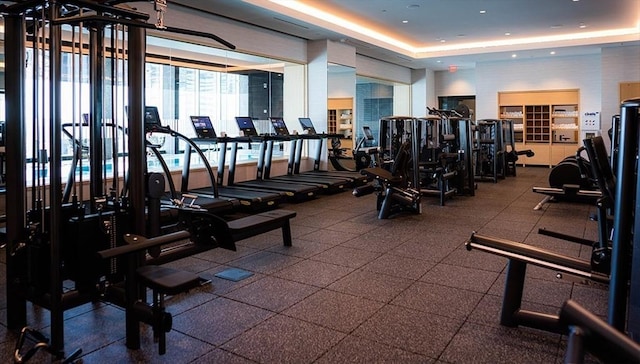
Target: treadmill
(250, 199)
(213, 203)
(295, 191)
(329, 182)
(311, 134)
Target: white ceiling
(440, 33)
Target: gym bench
(263, 222)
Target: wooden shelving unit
(544, 121)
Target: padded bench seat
(263, 222)
(167, 280)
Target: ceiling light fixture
(582, 25)
(405, 21)
(514, 55)
(507, 33)
(552, 52)
(483, 11)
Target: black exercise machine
(511, 155)
(621, 275)
(489, 150)
(392, 185)
(570, 180)
(364, 154)
(330, 183)
(311, 135)
(249, 200)
(53, 247)
(293, 191)
(445, 159)
(589, 333)
(396, 181)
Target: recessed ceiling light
(442, 40)
(552, 52)
(507, 33)
(405, 21)
(514, 55)
(438, 61)
(483, 11)
(556, 26)
(582, 25)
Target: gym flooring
(357, 289)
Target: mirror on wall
(341, 81)
(375, 99)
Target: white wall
(459, 83)
(579, 72)
(317, 78)
(374, 68)
(247, 38)
(619, 64)
(342, 84)
(341, 53)
(419, 92)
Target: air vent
(290, 22)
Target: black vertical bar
(260, 164)
(233, 159)
(55, 181)
(513, 290)
(623, 211)
(222, 155)
(15, 74)
(186, 166)
(416, 127)
(575, 346)
(96, 97)
(137, 163)
(318, 156)
(631, 110)
(298, 156)
(293, 146)
(464, 130)
(268, 158)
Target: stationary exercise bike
(364, 155)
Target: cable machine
(55, 236)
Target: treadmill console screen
(203, 127)
(151, 118)
(245, 124)
(307, 125)
(279, 126)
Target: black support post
(623, 211)
(623, 250)
(55, 181)
(513, 291)
(137, 164)
(96, 97)
(15, 74)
